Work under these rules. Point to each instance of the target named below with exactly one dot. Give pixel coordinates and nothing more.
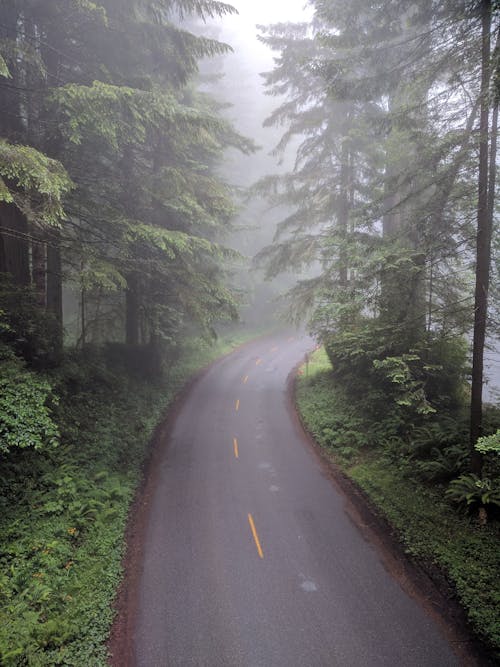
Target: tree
(103, 88)
(397, 163)
(485, 202)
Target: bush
(31, 331)
(471, 491)
(398, 386)
(26, 399)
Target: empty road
(249, 557)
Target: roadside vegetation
(65, 495)
(410, 478)
(113, 273)
(115, 265)
(395, 113)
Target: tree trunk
(54, 285)
(39, 269)
(132, 311)
(483, 248)
(343, 214)
(14, 248)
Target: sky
(243, 86)
(241, 31)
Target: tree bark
(132, 311)
(483, 247)
(343, 214)
(39, 269)
(14, 248)
(54, 285)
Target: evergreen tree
(103, 89)
(386, 99)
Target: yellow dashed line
(255, 536)
(237, 406)
(258, 362)
(235, 445)
(245, 379)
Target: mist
(249, 315)
(239, 84)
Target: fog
(239, 84)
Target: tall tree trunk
(39, 268)
(14, 248)
(343, 213)
(132, 311)
(483, 247)
(54, 284)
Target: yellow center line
(237, 404)
(258, 362)
(255, 536)
(245, 379)
(236, 452)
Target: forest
(120, 275)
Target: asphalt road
(250, 558)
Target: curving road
(250, 559)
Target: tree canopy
(108, 165)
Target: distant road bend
(250, 559)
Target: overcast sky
(243, 86)
(240, 30)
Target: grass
(432, 531)
(64, 511)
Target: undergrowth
(64, 506)
(406, 481)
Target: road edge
(424, 582)
(120, 641)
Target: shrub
(25, 406)
(472, 492)
(390, 379)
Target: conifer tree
(397, 164)
(103, 89)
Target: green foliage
(110, 97)
(489, 444)
(4, 70)
(472, 491)
(397, 384)
(26, 327)
(409, 392)
(25, 406)
(332, 420)
(433, 532)
(397, 478)
(64, 511)
(34, 182)
(203, 8)
(442, 464)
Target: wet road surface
(250, 558)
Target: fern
(471, 491)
